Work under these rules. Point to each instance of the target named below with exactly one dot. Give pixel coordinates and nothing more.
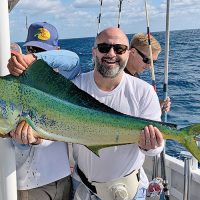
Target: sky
(79, 18)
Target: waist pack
(124, 188)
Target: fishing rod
(119, 16)
(165, 84)
(150, 49)
(155, 159)
(165, 195)
(99, 17)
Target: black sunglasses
(32, 49)
(118, 48)
(144, 58)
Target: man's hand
(23, 134)
(165, 105)
(150, 138)
(18, 63)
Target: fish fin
(171, 125)
(61, 88)
(95, 149)
(5, 126)
(189, 139)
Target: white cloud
(185, 3)
(85, 4)
(77, 18)
(94, 3)
(41, 7)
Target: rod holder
(187, 173)
(155, 167)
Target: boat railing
(183, 175)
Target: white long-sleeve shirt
(38, 165)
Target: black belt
(92, 187)
(85, 180)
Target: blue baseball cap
(42, 35)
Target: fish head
(9, 116)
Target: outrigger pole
(165, 194)
(99, 17)
(119, 16)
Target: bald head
(112, 34)
(110, 53)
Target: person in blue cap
(42, 36)
(42, 166)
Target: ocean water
(184, 78)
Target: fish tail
(189, 139)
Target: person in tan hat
(139, 59)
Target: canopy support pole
(8, 185)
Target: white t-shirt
(132, 97)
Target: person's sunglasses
(144, 58)
(32, 49)
(118, 48)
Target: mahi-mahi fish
(58, 110)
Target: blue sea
(184, 78)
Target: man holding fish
(117, 172)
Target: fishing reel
(120, 192)
(155, 187)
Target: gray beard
(107, 72)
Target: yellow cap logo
(43, 34)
